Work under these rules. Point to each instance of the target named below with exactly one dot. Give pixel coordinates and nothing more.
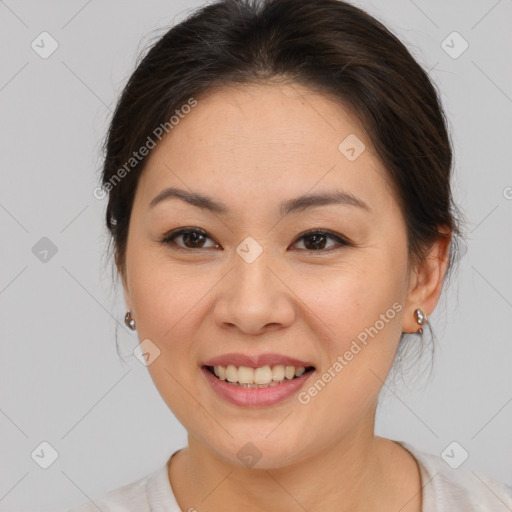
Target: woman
(281, 213)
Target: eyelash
(168, 239)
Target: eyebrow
(298, 204)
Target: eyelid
(341, 240)
(168, 239)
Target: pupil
(194, 236)
(315, 238)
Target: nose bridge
(253, 282)
(252, 276)
(252, 295)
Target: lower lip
(254, 397)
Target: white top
(444, 490)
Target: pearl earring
(421, 318)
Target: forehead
(265, 141)
(274, 117)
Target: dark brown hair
(328, 46)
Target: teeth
(231, 373)
(246, 375)
(299, 371)
(278, 372)
(263, 376)
(289, 372)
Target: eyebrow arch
(298, 204)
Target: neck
(353, 474)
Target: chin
(258, 452)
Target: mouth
(260, 377)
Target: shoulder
(452, 489)
(149, 493)
(129, 497)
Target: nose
(254, 298)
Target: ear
(426, 282)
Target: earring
(420, 318)
(129, 321)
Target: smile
(288, 381)
(262, 377)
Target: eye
(193, 238)
(315, 240)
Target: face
(324, 283)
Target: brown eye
(195, 238)
(317, 240)
(191, 239)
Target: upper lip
(255, 361)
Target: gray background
(62, 380)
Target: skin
(252, 148)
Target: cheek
(362, 303)
(167, 300)
(362, 306)
(165, 294)
(352, 297)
